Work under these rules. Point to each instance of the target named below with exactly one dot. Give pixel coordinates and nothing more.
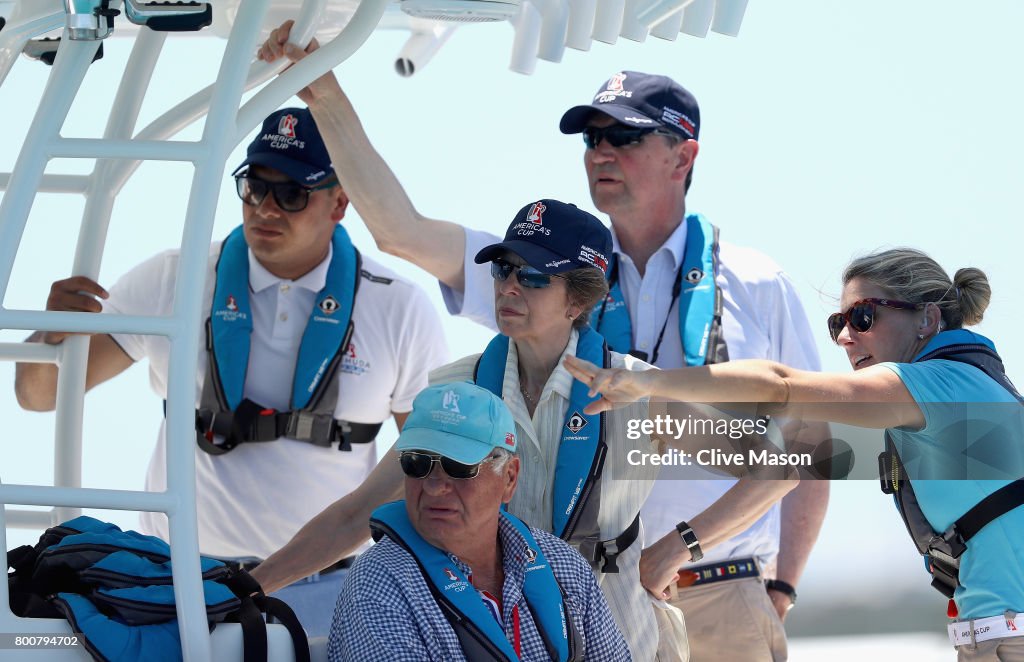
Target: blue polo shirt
(971, 445)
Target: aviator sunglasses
(618, 135)
(416, 464)
(861, 315)
(289, 196)
(525, 276)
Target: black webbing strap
(609, 550)
(251, 422)
(1000, 502)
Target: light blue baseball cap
(461, 421)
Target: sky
(829, 129)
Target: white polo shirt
(762, 318)
(253, 499)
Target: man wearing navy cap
(309, 348)
(678, 297)
(449, 549)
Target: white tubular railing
(118, 154)
(28, 20)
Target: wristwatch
(690, 540)
(782, 587)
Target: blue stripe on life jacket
(697, 294)
(449, 583)
(581, 450)
(231, 319)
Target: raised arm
(35, 384)
(872, 397)
(336, 532)
(433, 245)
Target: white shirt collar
(675, 245)
(314, 281)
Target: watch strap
(689, 539)
(785, 588)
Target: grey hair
(913, 276)
(498, 458)
(586, 286)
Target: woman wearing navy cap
(954, 427)
(549, 272)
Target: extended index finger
(580, 369)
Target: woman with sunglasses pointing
(954, 424)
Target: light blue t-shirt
(974, 432)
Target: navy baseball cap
(290, 143)
(640, 100)
(554, 237)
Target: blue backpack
(115, 588)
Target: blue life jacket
(700, 302)
(224, 412)
(576, 495)
(481, 636)
(115, 588)
(942, 551)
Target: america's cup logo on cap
(451, 401)
(536, 213)
(613, 90)
(286, 127)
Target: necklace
(526, 394)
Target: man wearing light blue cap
(409, 597)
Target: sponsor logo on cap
(557, 263)
(576, 422)
(510, 439)
(531, 555)
(286, 127)
(694, 275)
(678, 118)
(592, 257)
(638, 120)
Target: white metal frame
(118, 154)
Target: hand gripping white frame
(118, 153)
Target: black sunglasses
(416, 464)
(861, 315)
(289, 196)
(618, 135)
(526, 276)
